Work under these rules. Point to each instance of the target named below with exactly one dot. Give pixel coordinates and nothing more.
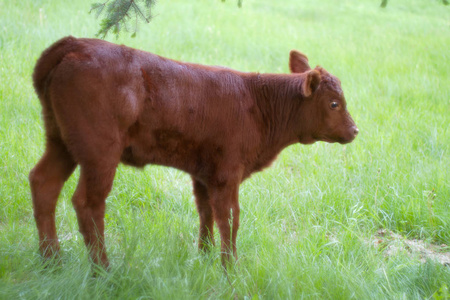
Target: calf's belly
(171, 148)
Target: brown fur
(104, 104)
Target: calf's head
(325, 111)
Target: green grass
(306, 222)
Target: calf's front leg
(225, 207)
(202, 200)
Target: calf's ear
(298, 62)
(310, 83)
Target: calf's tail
(49, 59)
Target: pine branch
(119, 12)
(384, 3)
(239, 3)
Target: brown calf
(104, 104)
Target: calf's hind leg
(95, 183)
(46, 181)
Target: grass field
(326, 221)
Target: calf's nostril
(355, 131)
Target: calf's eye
(334, 105)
